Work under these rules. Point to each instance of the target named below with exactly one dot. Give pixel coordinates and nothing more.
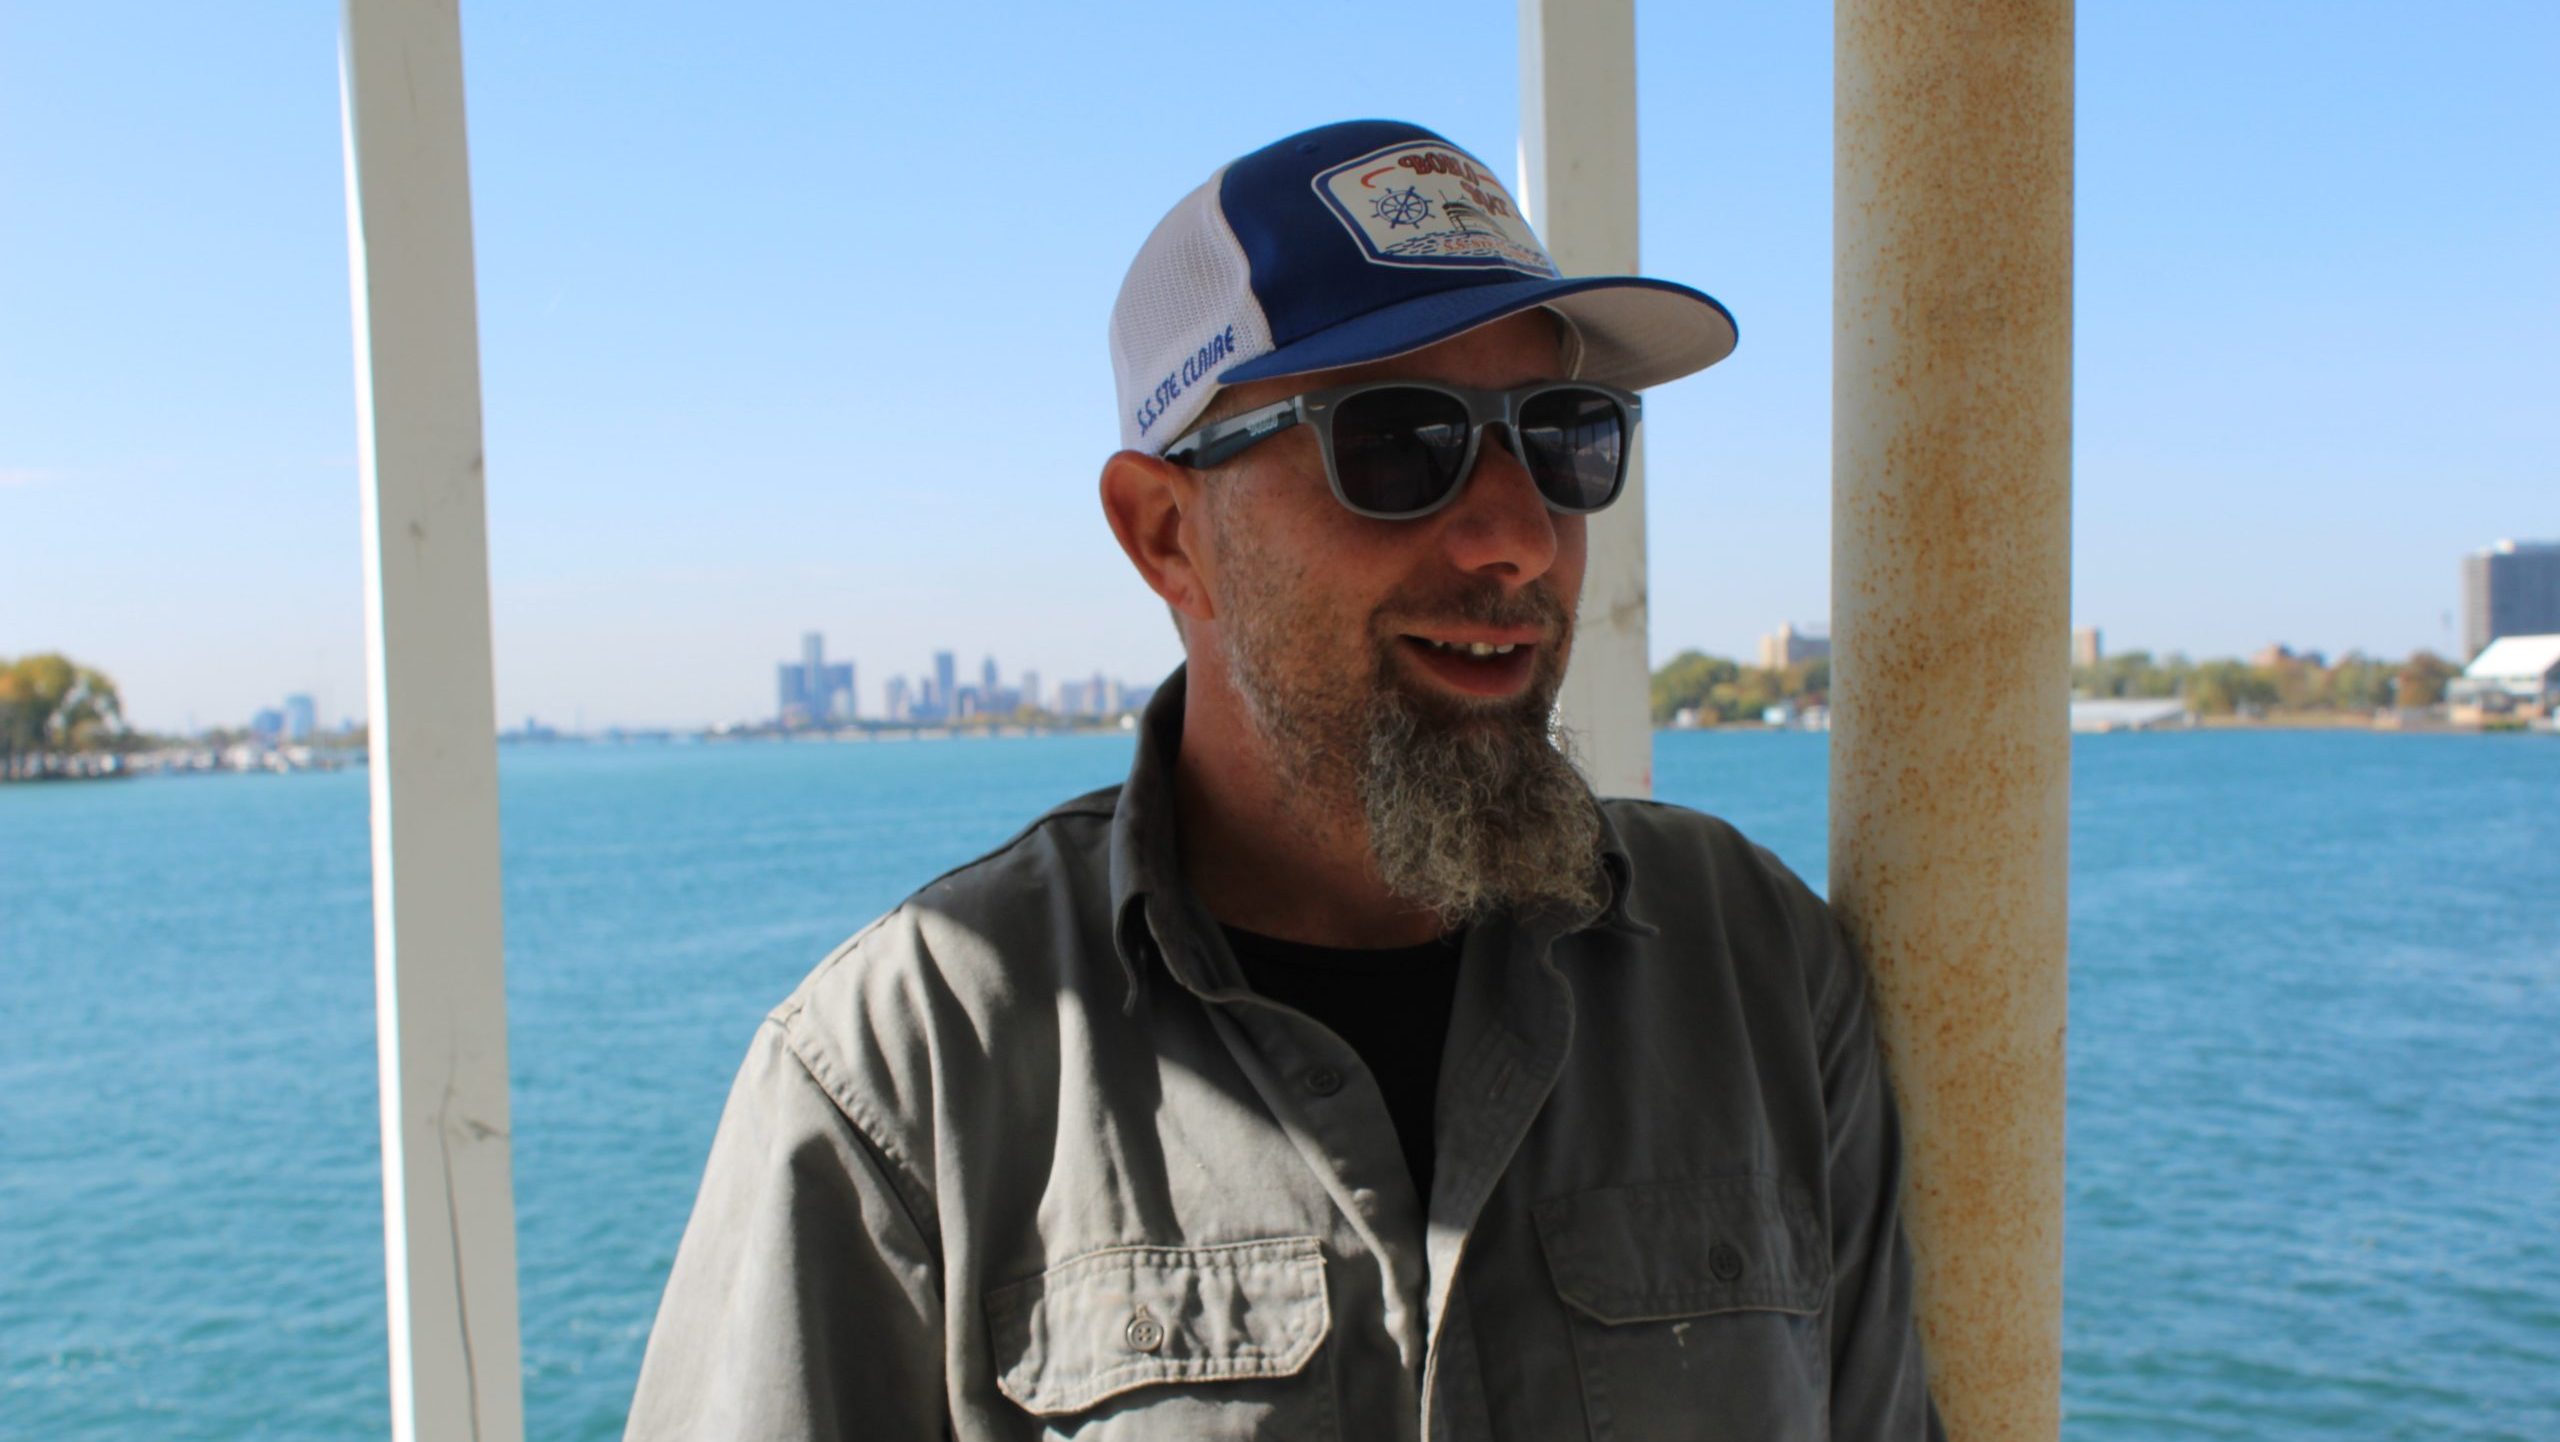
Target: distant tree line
(2282, 682)
(51, 705)
(1719, 691)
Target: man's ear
(1154, 507)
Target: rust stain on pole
(1951, 586)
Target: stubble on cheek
(1299, 685)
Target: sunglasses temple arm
(1219, 444)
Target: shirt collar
(1620, 865)
(1154, 916)
(1149, 903)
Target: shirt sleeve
(1879, 1385)
(805, 1301)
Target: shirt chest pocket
(1696, 1308)
(1170, 1342)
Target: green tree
(19, 725)
(1810, 680)
(2209, 695)
(2130, 674)
(2166, 678)
(1751, 691)
(2359, 683)
(2295, 684)
(49, 703)
(1687, 681)
(2421, 679)
(2220, 688)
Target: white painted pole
(447, 1190)
(1950, 626)
(1578, 183)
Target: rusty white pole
(1951, 587)
(440, 996)
(1578, 184)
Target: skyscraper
(2087, 649)
(301, 718)
(2509, 589)
(946, 683)
(812, 691)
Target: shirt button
(1324, 1081)
(1144, 1333)
(1724, 1259)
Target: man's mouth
(1482, 665)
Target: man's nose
(1499, 525)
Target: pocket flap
(1659, 1250)
(1101, 1324)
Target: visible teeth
(1471, 648)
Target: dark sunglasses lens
(1574, 442)
(1396, 450)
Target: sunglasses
(1396, 450)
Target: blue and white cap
(1356, 242)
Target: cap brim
(1634, 332)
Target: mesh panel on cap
(1189, 289)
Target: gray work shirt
(1026, 1158)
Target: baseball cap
(1355, 242)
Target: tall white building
(1786, 646)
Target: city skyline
(905, 699)
(731, 320)
(936, 695)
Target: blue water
(2315, 1064)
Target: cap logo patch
(1423, 203)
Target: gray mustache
(1536, 606)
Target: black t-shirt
(1390, 1005)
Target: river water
(2315, 1064)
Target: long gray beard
(1469, 810)
(1471, 819)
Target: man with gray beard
(1350, 1071)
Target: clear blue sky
(792, 318)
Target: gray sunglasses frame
(1221, 441)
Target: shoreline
(2290, 721)
(242, 760)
